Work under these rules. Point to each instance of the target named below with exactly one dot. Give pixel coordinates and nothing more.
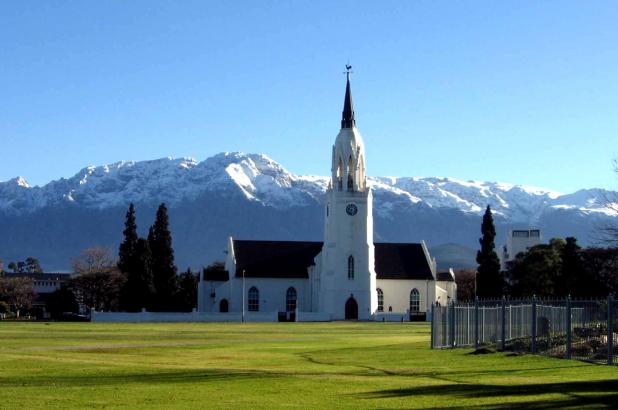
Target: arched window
(415, 301)
(350, 174)
(290, 300)
(340, 174)
(380, 300)
(350, 267)
(253, 301)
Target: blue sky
(522, 92)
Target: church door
(351, 309)
(223, 307)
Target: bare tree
(18, 292)
(96, 259)
(609, 232)
(98, 290)
(98, 282)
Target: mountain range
(250, 196)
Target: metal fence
(578, 329)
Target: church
(345, 277)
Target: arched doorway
(223, 306)
(351, 309)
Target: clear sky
(522, 92)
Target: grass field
(336, 365)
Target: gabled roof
(290, 259)
(401, 261)
(275, 259)
(446, 276)
(216, 274)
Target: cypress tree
(126, 251)
(138, 290)
(163, 268)
(489, 281)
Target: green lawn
(337, 365)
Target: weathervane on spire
(347, 120)
(348, 70)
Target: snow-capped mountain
(250, 195)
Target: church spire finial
(347, 117)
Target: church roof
(274, 259)
(401, 261)
(289, 259)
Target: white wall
(140, 317)
(272, 293)
(397, 294)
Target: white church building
(347, 276)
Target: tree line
(557, 269)
(143, 277)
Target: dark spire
(347, 118)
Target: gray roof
(49, 276)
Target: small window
(253, 302)
(290, 300)
(415, 301)
(380, 300)
(350, 267)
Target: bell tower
(348, 279)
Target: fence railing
(578, 329)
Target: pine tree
(489, 281)
(126, 252)
(163, 268)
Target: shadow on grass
(314, 357)
(180, 376)
(586, 393)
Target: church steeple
(347, 117)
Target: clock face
(351, 209)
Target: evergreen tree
(163, 268)
(186, 297)
(126, 252)
(572, 280)
(536, 271)
(489, 281)
(138, 290)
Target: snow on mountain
(260, 179)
